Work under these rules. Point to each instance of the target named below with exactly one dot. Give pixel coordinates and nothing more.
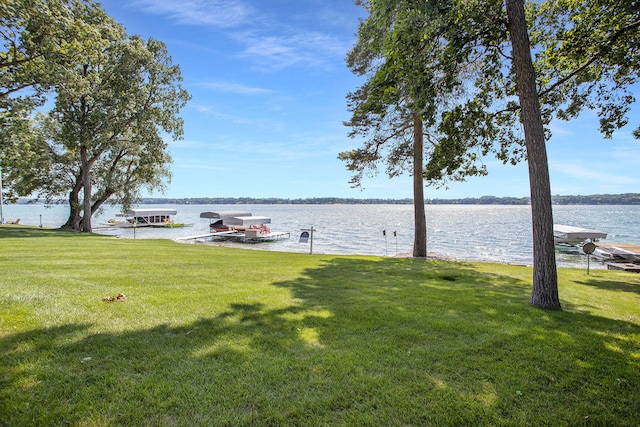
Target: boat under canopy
(238, 226)
(234, 220)
(246, 221)
(145, 218)
(572, 236)
(224, 214)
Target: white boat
(567, 235)
(145, 218)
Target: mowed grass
(216, 336)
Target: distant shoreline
(596, 199)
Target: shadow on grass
(366, 342)
(24, 231)
(613, 285)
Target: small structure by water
(241, 227)
(567, 235)
(145, 218)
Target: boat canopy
(148, 212)
(247, 220)
(223, 215)
(570, 232)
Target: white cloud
(218, 114)
(595, 175)
(282, 51)
(271, 44)
(232, 87)
(216, 13)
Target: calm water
(467, 232)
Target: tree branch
(575, 72)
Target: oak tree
(103, 138)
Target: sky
(268, 82)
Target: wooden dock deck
(238, 236)
(206, 235)
(629, 247)
(624, 266)
(621, 256)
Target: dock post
(386, 245)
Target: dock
(619, 256)
(624, 266)
(237, 236)
(567, 235)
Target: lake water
(467, 232)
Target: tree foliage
(102, 139)
(463, 74)
(394, 110)
(38, 39)
(589, 58)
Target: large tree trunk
(420, 238)
(545, 278)
(75, 219)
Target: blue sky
(268, 81)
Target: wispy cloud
(594, 175)
(235, 88)
(285, 50)
(216, 13)
(183, 143)
(271, 43)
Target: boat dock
(234, 235)
(624, 266)
(619, 256)
(567, 235)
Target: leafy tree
(35, 37)
(545, 280)
(396, 105)
(587, 56)
(31, 33)
(102, 139)
(111, 122)
(40, 38)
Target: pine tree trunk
(420, 238)
(545, 278)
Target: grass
(219, 336)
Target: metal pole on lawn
(307, 235)
(395, 234)
(588, 248)
(386, 249)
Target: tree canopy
(466, 68)
(103, 138)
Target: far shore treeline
(597, 199)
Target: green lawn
(217, 336)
